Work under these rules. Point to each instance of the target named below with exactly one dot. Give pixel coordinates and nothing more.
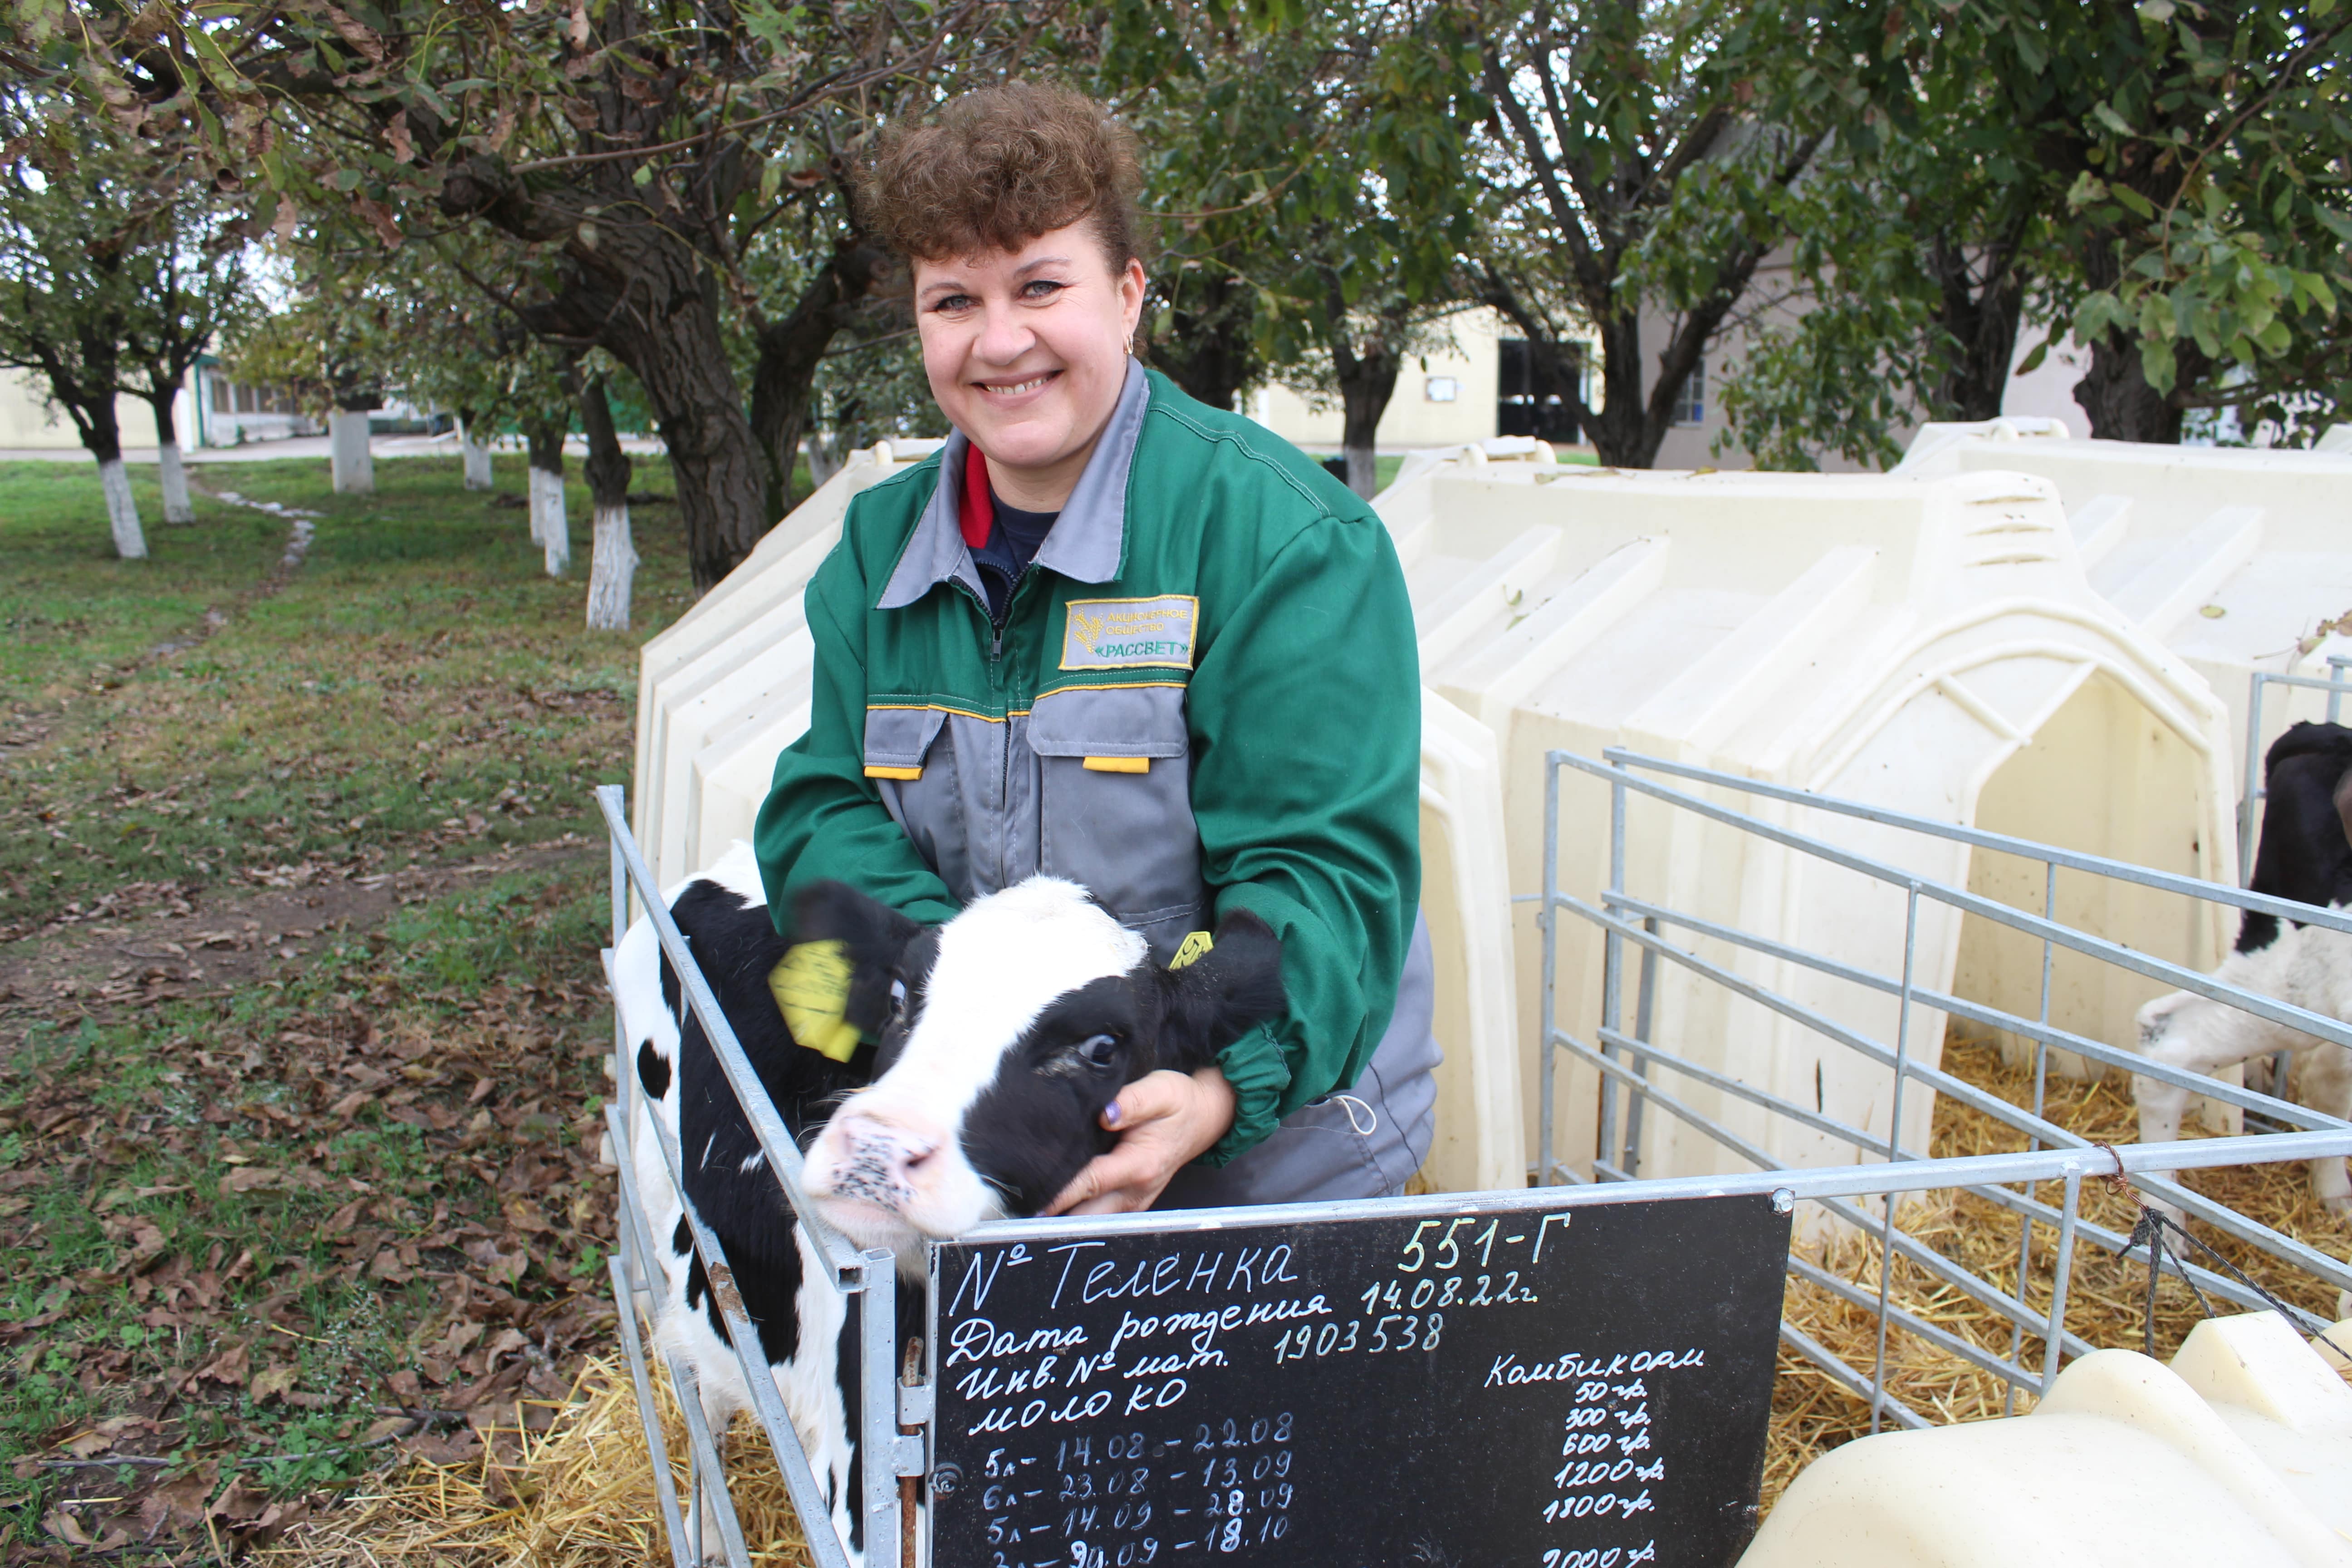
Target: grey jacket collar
(1088, 541)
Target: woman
(1113, 634)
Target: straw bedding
(562, 1484)
(2107, 1297)
(569, 1485)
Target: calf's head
(1004, 1034)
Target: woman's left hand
(1166, 1121)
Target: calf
(999, 1039)
(2309, 966)
(2305, 853)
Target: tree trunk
(612, 564)
(122, 511)
(350, 463)
(476, 455)
(1367, 375)
(1211, 348)
(1981, 315)
(104, 438)
(177, 507)
(631, 284)
(550, 527)
(1364, 393)
(790, 353)
(823, 460)
(2115, 393)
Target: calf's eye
(897, 999)
(1099, 1050)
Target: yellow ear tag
(1195, 943)
(811, 985)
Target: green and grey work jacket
(1205, 696)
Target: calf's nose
(875, 1156)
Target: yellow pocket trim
(902, 774)
(1118, 764)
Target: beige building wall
(2047, 391)
(1443, 398)
(26, 423)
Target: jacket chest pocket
(921, 788)
(1115, 804)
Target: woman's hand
(1166, 1121)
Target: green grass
(244, 1222)
(420, 669)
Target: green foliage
(1309, 178)
(1631, 170)
(2163, 181)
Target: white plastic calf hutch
(725, 687)
(1931, 645)
(2232, 558)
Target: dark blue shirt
(1012, 544)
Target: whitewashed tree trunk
(535, 486)
(477, 453)
(612, 570)
(823, 460)
(351, 463)
(550, 527)
(177, 507)
(122, 511)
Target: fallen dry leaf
(228, 1367)
(275, 1382)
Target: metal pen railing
(1634, 1068)
(869, 1279)
(1630, 1091)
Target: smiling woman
(1114, 635)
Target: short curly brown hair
(999, 167)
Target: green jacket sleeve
(1306, 717)
(823, 817)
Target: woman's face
(1027, 352)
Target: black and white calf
(1002, 1037)
(2305, 854)
(2309, 966)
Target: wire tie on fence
(2148, 1231)
(2152, 1228)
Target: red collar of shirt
(978, 516)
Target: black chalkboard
(1584, 1388)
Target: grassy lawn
(300, 1023)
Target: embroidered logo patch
(1121, 634)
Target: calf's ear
(1218, 997)
(873, 937)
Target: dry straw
(578, 1493)
(2107, 1296)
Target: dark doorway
(1527, 403)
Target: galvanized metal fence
(1642, 1077)
(870, 1277)
(1637, 1077)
